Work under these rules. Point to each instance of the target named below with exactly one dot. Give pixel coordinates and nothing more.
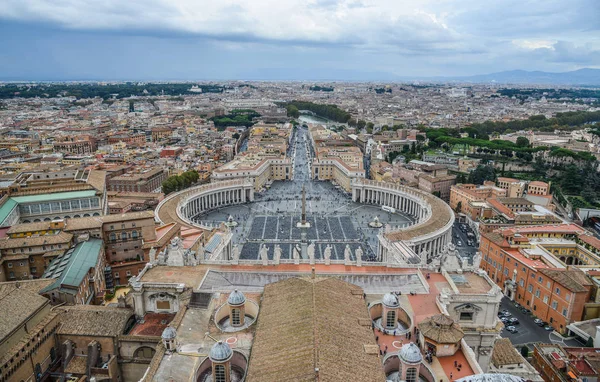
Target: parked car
(504, 319)
(548, 328)
(512, 329)
(525, 310)
(459, 243)
(538, 322)
(517, 305)
(514, 321)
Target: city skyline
(264, 40)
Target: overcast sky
(293, 39)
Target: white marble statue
(296, 254)
(327, 254)
(347, 254)
(276, 253)
(264, 254)
(311, 252)
(358, 253)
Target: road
(528, 331)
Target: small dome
(410, 353)
(220, 352)
(390, 300)
(236, 298)
(169, 333)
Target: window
(123, 235)
(567, 297)
(540, 279)
(530, 288)
(9, 265)
(466, 316)
(411, 374)
(521, 282)
(33, 270)
(116, 275)
(390, 321)
(113, 237)
(235, 316)
(134, 234)
(554, 305)
(557, 291)
(144, 352)
(564, 312)
(128, 273)
(505, 271)
(31, 259)
(537, 293)
(220, 373)
(548, 285)
(21, 264)
(545, 299)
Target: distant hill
(577, 77)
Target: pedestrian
(450, 375)
(455, 363)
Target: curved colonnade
(182, 206)
(433, 218)
(430, 233)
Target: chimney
(312, 273)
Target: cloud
(387, 35)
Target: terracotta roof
(16, 307)
(97, 179)
(34, 286)
(60, 238)
(572, 279)
(504, 353)
(91, 320)
(29, 227)
(591, 240)
(303, 325)
(495, 238)
(441, 329)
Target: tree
(235, 136)
(420, 138)
(525, 351)
(292, 111)
(370, 125)
(481, 174)
(458, 207)
(361, 124)
(522, 142)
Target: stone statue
(358, 253)
(327, 255)
(296, 254)
(264, 254)
(347, 254)
(311, 252)
(277, 254)
(152, 255)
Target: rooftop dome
(410, 353)
(390, 300)
(236, 298)
(169, 333)
(220, 352)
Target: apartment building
(140, 180)
(535, 267)
(28, 342)
(464, 197)
(78, 144)
(46, 196)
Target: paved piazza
(271, 219)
